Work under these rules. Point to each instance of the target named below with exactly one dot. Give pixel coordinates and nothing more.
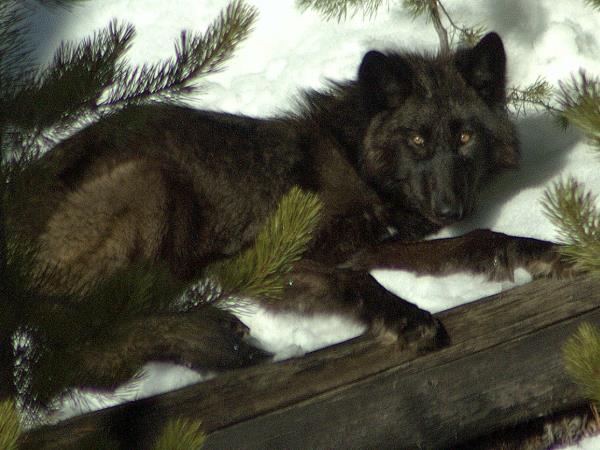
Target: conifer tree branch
(434, 9)
(341, 9)
(16, 67)
(593, 4)
(581, 358)
(61, 3)
(74, 81)
(579, 100)
(536, 95)
(285, 237)
(434, 12)
(180, 434)
(573, 211)
(195, 55)
(10, 427)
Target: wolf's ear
(384, 81)
(484, 68)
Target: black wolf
(394, 155)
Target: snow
(290, 50)
(591, 443)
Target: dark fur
(186, 187)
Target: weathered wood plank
(503, 367)
(434, 407)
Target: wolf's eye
(417, 139)
(465, 137)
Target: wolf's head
(439, 127)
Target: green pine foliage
(417, 8)
(573, 211)
(92, 77)
(61, 3)
(537, 95)
(593, 4)
(342, 9)
(581, 358)
(285, 237)
(196, 55)
(571, 208)
(180, 434)
(10, 428)
(579, 99)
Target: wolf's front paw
(543, 259)
(394, 320)
(499, 254)
(421, 335)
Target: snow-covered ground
(290, 50)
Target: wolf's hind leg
(132, 212)
(314, 288)
(480, 251)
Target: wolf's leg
(313, 288)
(135, 211)
(480, 251)
(206, 338)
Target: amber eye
(417, 140)
(465, 137)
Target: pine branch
(259, 271)
(91, 78)
(593, 4)
(10, 428)
(579, 100)
(16, 67)
(435, 11)
(61, 3)
(417, 8)
(342, 9)
(573, 211)
(581, 358)
(74, 82)
(180, 434)
(195, 56)
(470, 36)
(537, 96)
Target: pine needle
(579, 99)
(581, 358)
(593, 4)
(61, 3)
(16, 66)
(258, 271)
(342, 9)
(470, 36)
(196, 55)
(75, 80)
(10, 428)
(573, 211)
(180, 434)
(537, 96)
(417, 8)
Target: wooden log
(502, 367)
